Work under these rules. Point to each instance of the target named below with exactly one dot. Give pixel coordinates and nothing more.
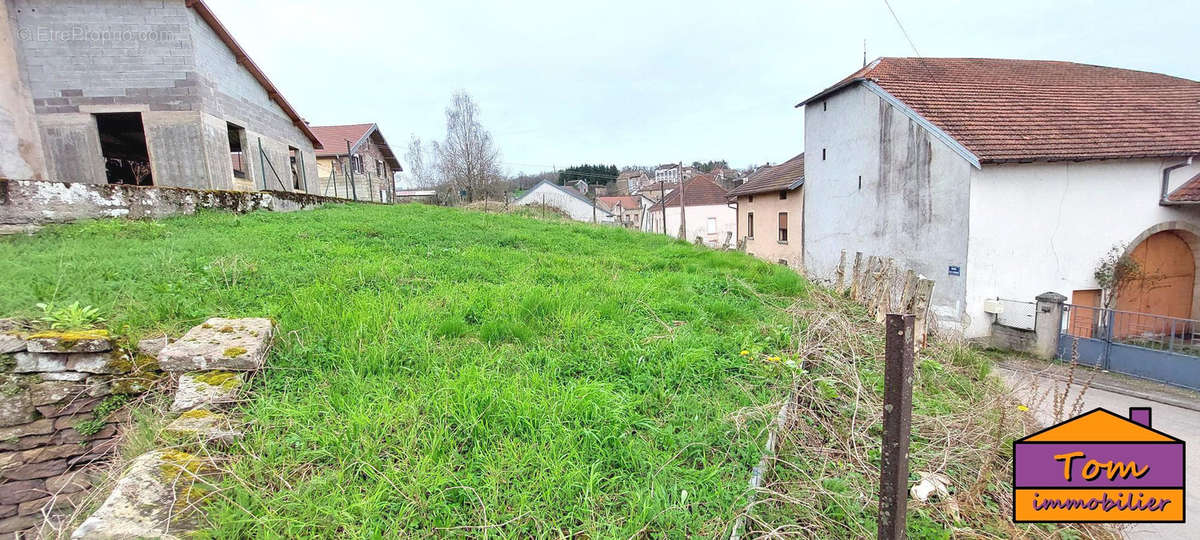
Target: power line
(902, 30)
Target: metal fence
(1157, 347)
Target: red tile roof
(1188, 192)
(777, 178)
(701, 190)
(1034, 110)
(333, 140)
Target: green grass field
(442, 372)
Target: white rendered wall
(911, 204)
(578, 210)
(1038, 227)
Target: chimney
(1140, 416)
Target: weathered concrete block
(10, 337)
(228, 344)
(11, 343)
(207, 389)
(152, 346)
(73, 376)
(104, 363)
(18, 523)
(84, 341)
(149, 499)
(16, 406)
(72, 407)
(37, 427)
(19, 492)
(37, 362)
(47, 392)
(203, 426)
(72, 481)
(30, 471)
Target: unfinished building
(356, 163)
(147, 93)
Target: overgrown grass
(446, 372)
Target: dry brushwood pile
(823, 481)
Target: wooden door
(1168, 276)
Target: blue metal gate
(1164, 349)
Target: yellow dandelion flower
(1022, 408)
(745, 352)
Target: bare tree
(423, 175)
(467, 158)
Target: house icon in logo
(1099, 467)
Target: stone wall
(24, 203)
(60, 397)
(1012, 339)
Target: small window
(824, 105)
(712, 225)
(750, 198)
(237, 144)
(822, 154)
(356, 163)
(750, 225)
(294, 159)
(783, 227)
(378, 168)
(783, 194)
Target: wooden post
(868, 283)
(910, 288)
(897, 426)
(856, 279)
(882, 300)
(841, 272)
(920, 309)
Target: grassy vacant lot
(441, 371)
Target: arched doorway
(1166, 286)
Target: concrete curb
(1116, 389)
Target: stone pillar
(1047, 324)
(21, 156)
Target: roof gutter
(244, 60)
(1165, 196)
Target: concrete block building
(1008, 178)
(152, 93)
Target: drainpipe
(1166, 184)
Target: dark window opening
(822, 154)
(783, 227)
(860, 181)
(825, 105)
(123, 146)
(782, 195)
(378, 168)
(237, 144)
(294, 158)
(750, 225)
(750, 199)
(357, 164)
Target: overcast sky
(648, 82)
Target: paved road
(1179, 422)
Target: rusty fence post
(897, 426)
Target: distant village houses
(628, 210)
(703, 205)
(356, 162)
(1008, 179)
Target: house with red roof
(627, 210)
(1008, 178)
(699, 204)
(356, 162)
(770, 207)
